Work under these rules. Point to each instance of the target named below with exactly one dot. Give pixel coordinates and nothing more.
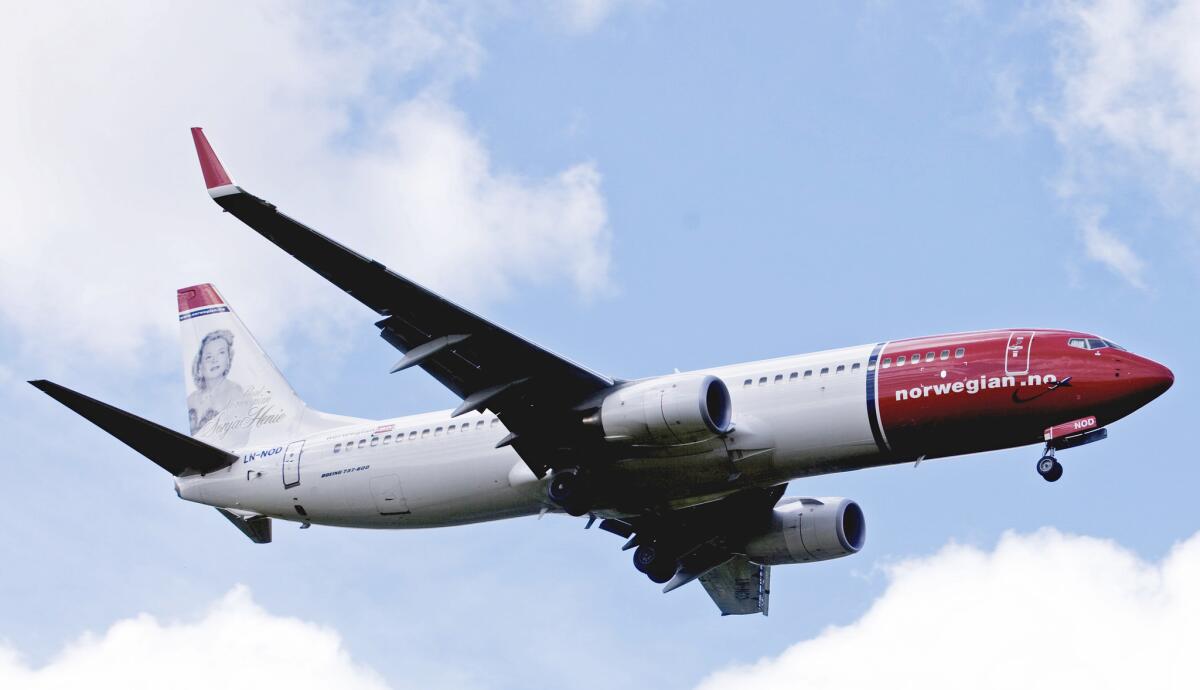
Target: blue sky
(640, 186)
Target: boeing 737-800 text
(690, 467)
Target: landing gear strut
(570, 490)
(1049, 467)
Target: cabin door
(291, 464)
(1016, 356)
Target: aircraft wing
(533, 390)
(739, 586)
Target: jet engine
(809, 529)
(668, 411)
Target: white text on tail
(236, 397)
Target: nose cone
(1160, 379)
(1152, 379)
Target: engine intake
(667, 411)
(809, 529)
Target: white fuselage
(432, 470)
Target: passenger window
(762, 381)
(424, 433)
(450, 428)
(412, 435)
(495, 422)
(479, 424)
(362, 443)
(748, 382)
(808, 373)
(887, 362)
(824, 371)
(840, 369)
(794, 375)
(900, 360)
(930, 356)
(387, 439)
(855, 366)
(437, 431)
(960, 352)
(945, 354)
(778, 378)
(374, 441)
(337, 448)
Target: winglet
(215, 177)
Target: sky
(641, 186)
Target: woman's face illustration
(214, 360)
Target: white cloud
(235, 644)
(583, 16)
(1045, 610)
(338, 112)
(1105, 247)
(1127, 109)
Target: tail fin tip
(198, 296)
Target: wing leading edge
(533, 390)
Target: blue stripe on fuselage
(872, 416)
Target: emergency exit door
(389, 498)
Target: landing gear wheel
(649, 559)
(568, 490)
(1050, 469)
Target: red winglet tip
(214, 172)
(196, 296)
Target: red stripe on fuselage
(943, 404)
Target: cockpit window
(1093, 344)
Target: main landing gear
(1049, 467)
(655, 562)
(570, 490)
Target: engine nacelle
(668, 411)
(810, 529)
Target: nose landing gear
(1064, 436)
(1049, 467)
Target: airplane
(689, 468)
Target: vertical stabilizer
(236, 397)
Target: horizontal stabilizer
(170, 450)
(257, 527)
(739, 587)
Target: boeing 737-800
(690, 468)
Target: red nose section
(1155, 379)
